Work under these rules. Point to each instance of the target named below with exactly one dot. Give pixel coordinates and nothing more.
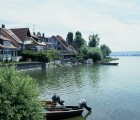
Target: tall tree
(78, 34)
(78, 41)
(70, 37)
(93, 40)
(105, 50)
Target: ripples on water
(112, 91)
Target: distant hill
(126, 53)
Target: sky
(117, 22)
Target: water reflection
(82, 117)
(123, 114)
(67, 80)
(113, 92)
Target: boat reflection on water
(82, 117)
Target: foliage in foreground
(18, 96)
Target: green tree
(78, 34)
(105, 50)
(93, 40)
(84, 52)
(18, 96)
(95, 54)
(78, 41)
(70, 37)
(53, 54)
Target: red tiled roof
(12, 35)
(22, 33)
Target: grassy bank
(109, 59)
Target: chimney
(43, 35)
(33, 33)
(67, 40)
(3, 26)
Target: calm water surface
(113, 92)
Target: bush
(19, 96)
(96, 57)
(44, 56)
(95, 54)
(79, 58)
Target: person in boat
(56, 99)
(83, 104)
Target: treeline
(90, 50)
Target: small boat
(110, 63)
(62, 112)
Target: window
(7, 52)
(6, 43)
(28, 42)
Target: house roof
(48, 43)
(12, 35)
(35, 37)
(22, 33)
(40, 43)
(4, 38)
(68, 47)
(37, 43)
(11, 46)
(62, 40)
(39, 37)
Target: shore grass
(110, 59)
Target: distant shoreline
(126, 53)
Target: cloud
(116, 22)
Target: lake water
(113, 92)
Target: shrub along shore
(19, 96)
